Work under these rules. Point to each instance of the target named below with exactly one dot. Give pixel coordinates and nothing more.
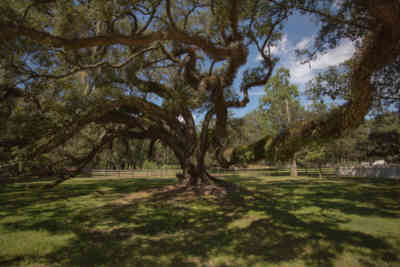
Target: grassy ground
(280, 221)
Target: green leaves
(280, 103)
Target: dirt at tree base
(216, 190)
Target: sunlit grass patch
(36, 244)
(373, 225)
(247, 220)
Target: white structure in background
(378, 169)
(181, 119)
(380, 162)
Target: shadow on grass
(298, 220)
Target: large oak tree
(96, 70)
(99, 70)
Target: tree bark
(194, 176)
(194, 173)
(293, 168)
(320, 171)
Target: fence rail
(136, 173)
(214, 171)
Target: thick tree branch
(128, 60)
(10, 31)
(169, 14)
(234, 19)
(82, 162)
(8, 91)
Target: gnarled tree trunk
(194, 172)
(195, 176)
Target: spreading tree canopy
(78, 74)
(75, 75)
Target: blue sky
(299, 32)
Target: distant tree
(281, 105)
(123, 153)
(384, 145)
(255, 124)
(383, 139)
(341, 150)
(314, 155)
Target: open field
(279, 221)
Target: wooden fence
(168, 173)
(161, 173)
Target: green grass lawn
(279, 221)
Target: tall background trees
(282, 106)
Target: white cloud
(182, 120)
(279, 49)
(305, 43)
(302, 73)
